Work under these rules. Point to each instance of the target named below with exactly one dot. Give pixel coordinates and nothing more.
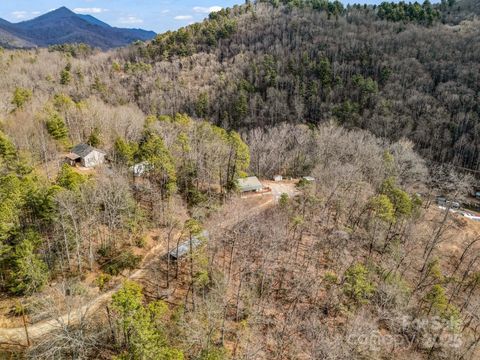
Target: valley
(287, 179)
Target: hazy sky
(157, 15)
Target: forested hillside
(414, 74)
(156, 253)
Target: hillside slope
(406, 78)
(7, 40)
(361, 263)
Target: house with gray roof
(86, 156)
(249, 184)
(184, 248)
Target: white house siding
(93, 159)
(141, 168)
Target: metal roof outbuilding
(184, 248)
(250, 183)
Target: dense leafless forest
(290, 64)
(366, 113)
(396, 79)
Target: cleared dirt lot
(282, 187)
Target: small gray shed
(85, 155)
(249, 184)
(184, 248)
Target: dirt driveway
(282, 187)
(252, 204)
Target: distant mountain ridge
(62, 26)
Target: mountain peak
(62, 25)
(61, 11)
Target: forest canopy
(360, 113)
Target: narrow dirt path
(10, 337)
(17, 336)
